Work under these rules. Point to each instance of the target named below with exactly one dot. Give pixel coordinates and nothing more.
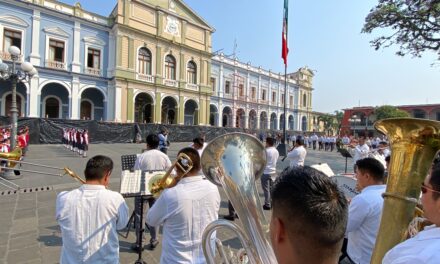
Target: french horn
(235, 161)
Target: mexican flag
(285, 49)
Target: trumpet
(161, 182)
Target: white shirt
(360, 152)
(345, 140)
(89, 217)
(152, 159)
(272, 156)
(364, 215)
(423, 248)
(185, 210)
(297, 156)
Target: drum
(346, 184)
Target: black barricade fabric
(50, 131)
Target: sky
(324, 36)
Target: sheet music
(136, 183)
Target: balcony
(145, 77)
(241, 98)
(253, 100)
(263, 101)
(56, 65)
(227, 95)
(93, 71)
(7, 57)
(168, 82)
(192, 86)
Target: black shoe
(265, 207)
(229, 217)
(135, 247)
(154, 243)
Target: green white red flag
(284, 48)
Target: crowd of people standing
(76, 140)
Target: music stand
(128, 161)
(346, 154)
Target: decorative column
(35, 54)
(181, 110)
(158, 109)
(74, 114)
(34, 99)
(76, 63)
(246, 121)
(159, 62)
(130, 105)
(118, 102)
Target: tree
(339, 115)
(328, 121)
(388, 111)
(415, 25)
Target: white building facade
(251, 97)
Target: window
(240, 90)
(227, 87)
(282, 99)
(94, 58)
(304, 100)
(192, 72)
(144, 61)
(170, 67)
(291, 100)
(263, 95)
(274, 97)
(56, 50)
(11, 38)
(253, 92)
(212, 81)
(438, 116)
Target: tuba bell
(414, 144)
(235, 161)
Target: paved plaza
(28, 229)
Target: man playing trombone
(89, 217)
(184, 211)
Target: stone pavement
(28, 229)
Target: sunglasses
(425, 189)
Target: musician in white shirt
(361, 150)
(89, 217)
(270, 172)
(184, 211)
(425, 246)
(365, 211)
(297, 154)
(151, 159)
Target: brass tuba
(414, 144)
(235, 161)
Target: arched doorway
(169, 114)
(291, 127)
(263, 120)
(273, 121)
(252, 119)
(86, 110)
(213, 115)
(143, 108)
(55, 101)
(227, 117)
(6, 96)
(304, 123)
(92, 104)
(239, 120)
(190, 113)
(282, 120)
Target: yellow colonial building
(162, 52)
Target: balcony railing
(192, 86)
(254, 100)
(168, 82)
(263, 101)
(241, 98)
(7, 57)
(56, 65)
(227, 95)
(145, 77)
(93, 71)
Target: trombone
(65, 170)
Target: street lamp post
(15, 75)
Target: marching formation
(76, 140)
(22, 139)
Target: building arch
(96, 109)
(227, 117)
(169, 106)
(191, 109)
(253, 119)
(170, 67)
(46, 82)
(213, 115)
(144, 61)
(291, 123)
(143, 107)
(273, 121)
(304, 123)
(6, 97)
(101, 89)
(52, 109)
(263, 120)
(87, 109)
(240, 118)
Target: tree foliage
(388, 111)
(339, 115)
(328, 121)
(415, 25)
